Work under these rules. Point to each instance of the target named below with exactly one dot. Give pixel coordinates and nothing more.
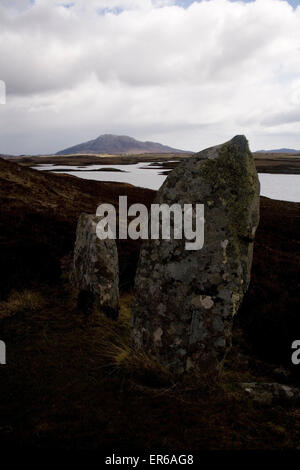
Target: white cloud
(152, 69)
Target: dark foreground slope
(38, 220)
(74, 382)
(270, 312)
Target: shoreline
(265, 162)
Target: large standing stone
(96, 271)
(185, 301)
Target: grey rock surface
(96, 271)
(271, 393)
(185, 301)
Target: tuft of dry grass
(27, 300)
(116, 347)
(84, 386)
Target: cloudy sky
(187, 74)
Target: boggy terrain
(265, 162)
(73, 381)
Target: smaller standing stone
(96, 271)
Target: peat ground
(73, 382)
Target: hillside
(38, 220)
(117, 144)
(283, 150)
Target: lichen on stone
(193, 296)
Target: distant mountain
(118, 144)
(279, 151)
